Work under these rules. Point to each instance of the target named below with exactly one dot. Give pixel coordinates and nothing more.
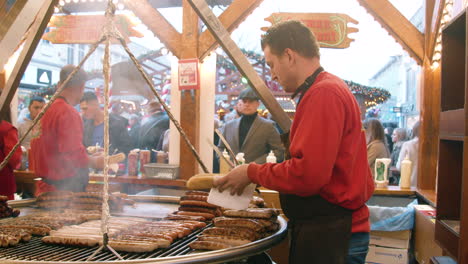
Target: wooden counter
(25, 181)
(429, 196)
(394, 190)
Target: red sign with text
(189, 75)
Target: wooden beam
(34, 36)
(157, 24)
(8, 18)
(429, 129)
(243, 65)
(430, 109)
(398, 26)
(231, 18)
(14, 26)
(189, 99)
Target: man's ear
(290, 55)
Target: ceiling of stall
(96, 6)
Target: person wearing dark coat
(152, 129)
(93, 126)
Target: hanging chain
(106, 71)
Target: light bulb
(435, 65)
(436, 56)
(61, 2)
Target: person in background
(398, 138)
(234, 112)
(118, 112)
(411, 149)
(57, 151)
(134, 130)
(8, 139)
(35, 106)
(93, 123)
(251, 134)
(152, 129)
(375, 138)
(326, 182)
(388, 137)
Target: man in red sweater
(8, 139)
(326, 181)
(58, 153)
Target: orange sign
(330, 29)
(86, 29)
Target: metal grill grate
(35, 250)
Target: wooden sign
(330, 29)
(86, 29)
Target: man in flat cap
(251, 134)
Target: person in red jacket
(57, 149)
(326, 181)
(8, 139)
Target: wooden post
(189, 99)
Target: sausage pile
(238, 227)
(80, 200)
(14, 230)
(5, 210)
(194, 203)
(125, 234)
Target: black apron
(320, 231)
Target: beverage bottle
(223, 165)
(240, 158)
(405, 174)
(271, 158)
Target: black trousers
(319, 231)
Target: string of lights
(445, 18)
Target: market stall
(441, 150)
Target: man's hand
(236, 180)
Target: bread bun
(202, 181)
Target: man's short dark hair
(36, 99)
(291, 34)
(78, 79)
(88, 96)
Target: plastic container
(162, 171)
(381, 172)
(132, 163)
(271, 158)
(223, 166)
(240, 158)
(405, 178)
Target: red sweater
(8, 139)
(57, 151)
(328, 152)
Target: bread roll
(116, 158)
(202, 181)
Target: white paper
(236, 202)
